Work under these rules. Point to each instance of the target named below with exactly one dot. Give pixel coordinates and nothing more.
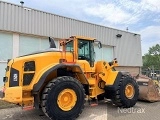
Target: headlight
(5, 79)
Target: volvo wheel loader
(59, 80)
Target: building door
(105, 53)
(6, 50)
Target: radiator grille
(29, 71)
(27, 78)
(29, 66)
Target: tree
(154, 50)
(152, 58)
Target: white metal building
(24, 30)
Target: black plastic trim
(27, 78)
(29, 66)
(14, 78)
(142, 83)
(41, 81)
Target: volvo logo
(15, 76)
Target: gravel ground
(104, 111)
(4, 104)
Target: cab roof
(83, 37)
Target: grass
(5, 104)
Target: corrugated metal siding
(30, 21)
(128, 50)
(25, 20)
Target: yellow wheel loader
(59, 80)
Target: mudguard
(42, 79)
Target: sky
(139, 16)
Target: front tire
(63, 98)
(127, 92)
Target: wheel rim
(129, 91)
(66, 99)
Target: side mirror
(52, 43)
(99, 44)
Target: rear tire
(63, 98)
(123, 99)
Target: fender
(110, 89)
(42, 79)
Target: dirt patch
(4, 104)
(1, 94)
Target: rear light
(5, 79)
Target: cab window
(86, 51)
(69, 46)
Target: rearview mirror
(99, 44)
(52, 43)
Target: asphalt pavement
(104, 111)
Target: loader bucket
(148, 90)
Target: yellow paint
(85, 38)
(94, 88)
(105, 72)
(129, 91)
(85, 66)
(13, 94)
(111, 77)
(67, 99)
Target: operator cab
(81, 47)
(85, 50)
